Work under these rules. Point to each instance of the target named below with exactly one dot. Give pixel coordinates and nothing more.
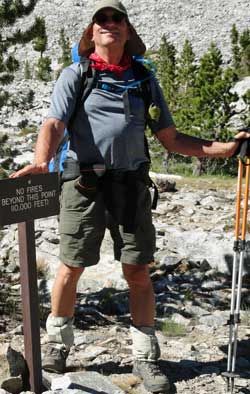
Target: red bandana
(100, 64)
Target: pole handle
(238, 200)
(243, 150)
(245, 207)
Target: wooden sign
(28, 197)
(21, 201)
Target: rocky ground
(191, 278)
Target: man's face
(110, 28)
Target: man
(108, 131)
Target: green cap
(116, 5)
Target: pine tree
(10, 11)
(213, 84)
(212, 103)
(207, 90)
(43, 72)
(245, 52)
(235, 48)
(246, 118)
(27, 71)
(186, 76)
(166, 64)
(165, 59)
(65, 59)
(186, 67)
(40, 42)
(240, 44)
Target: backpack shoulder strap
(139, 69)
(141, 73)
(87, 82)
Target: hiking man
(107, 148)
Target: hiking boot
(54, 358)
(154, 379)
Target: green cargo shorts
(84, 218)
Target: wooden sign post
(21, 201)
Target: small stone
(205, 266)
(18, 330)
(212, 285)
(91, 352)
(13, 384)
(169, 263)
(217, 319)
(177, 318)
(86, 381)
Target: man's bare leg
(63, 297)
(141, 299)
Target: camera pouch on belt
(71, 170)
(88, 181)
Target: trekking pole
(238, 262)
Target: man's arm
(187, 145)
(49, 137)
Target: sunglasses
(100, 18)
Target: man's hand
(31, 169)
(240, 136)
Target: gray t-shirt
(109, 128)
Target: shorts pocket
(69, 226)
(72, 199)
